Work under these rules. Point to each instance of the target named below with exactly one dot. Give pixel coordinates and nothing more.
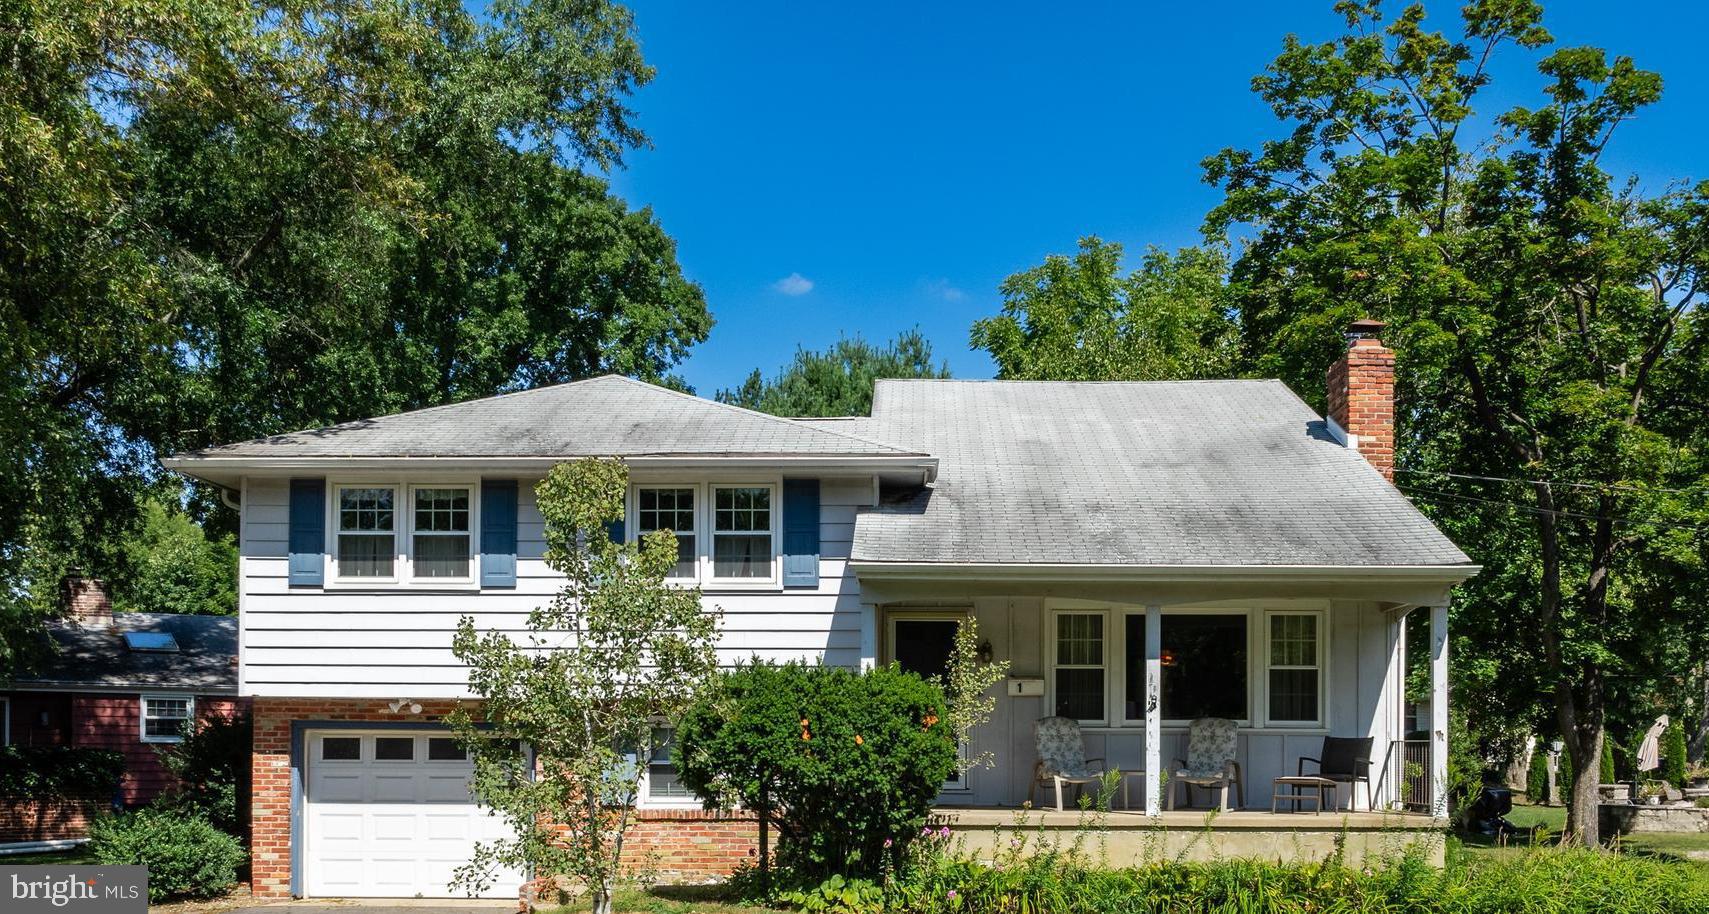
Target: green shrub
(846, 764)
(212, 767)
(1673, 755)
(1537, 777)
(1607, 760)
(185, 854)
(1564, 774)
(59, 772)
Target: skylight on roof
(152, 642)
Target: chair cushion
(1211, 745)
(1061, 748)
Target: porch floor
(1235, 820)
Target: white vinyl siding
(383, 642)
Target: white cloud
(940, 288)
(793, 284)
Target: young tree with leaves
(1546, 319)
(838, 381)
(615, 656)
(1080, 318)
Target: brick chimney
(86, 600)
(1361, 396)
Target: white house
(1140, 553)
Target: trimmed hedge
(59, 772)
(186, 855)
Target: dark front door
(923, 646)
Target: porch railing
(1407, 769)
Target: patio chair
(1210, 762)
(1344, 760)
(1061, 757)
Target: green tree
(614, 653)
(1545, 318)
(1537, 776)
(171, 564)
(838, 381)
(222, 219)
(1080, 319)
(1674, 761)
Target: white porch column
(1153, 708)
(868, 636)
(1439, 710)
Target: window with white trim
(661, 786)
(742, 537)
(166, 718)
(1204, 666)
(670, 508)
(366, 521)
(440, 534)
(1080, 669)
(1295, 676)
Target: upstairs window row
(376, 534)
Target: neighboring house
(1140, 553)
(127, 682)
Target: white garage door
(388, 815)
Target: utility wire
(1542, 511)
(1545, 482)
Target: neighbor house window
(1295, 668)
(165, 719)
(1079, 667)
(440, 538)
(1204, 666)
(663, 785)
(671, 509)
(741, 532)
(367, 531)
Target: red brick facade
(33, 819)
(1361, 396)
(676, 845)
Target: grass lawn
(669, 899)
(1553, 819)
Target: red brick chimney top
(1361, 395)
(86, 599)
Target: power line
(1546, 512)
(1545, 482)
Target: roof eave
(928, 571)
(226, 470)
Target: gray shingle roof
(609, 416)
(1156, 473)
(95, 656)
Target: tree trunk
(602, 898)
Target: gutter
(926, 571)
(200, 467)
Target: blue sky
(863, 168)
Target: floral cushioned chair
(1062, 756)
(1211, 748)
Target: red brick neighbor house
(126, 682)
(1143, 555)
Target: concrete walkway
(382, 906)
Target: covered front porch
(1290, 656)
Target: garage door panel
(397, 826)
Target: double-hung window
(670, 509)
(1295, 668)
(663, 786)
(440, 539)
(367, 526)
(742, 533)
(1080, 666)
(166, 718)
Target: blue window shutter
(614, 530)
(498, 533)
(307, 534)
(801, 533)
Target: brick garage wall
(691, 845)
(677, 845)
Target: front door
(923, 644)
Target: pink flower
(887, 842)
(943, 832)
(926, 832)
(951, 896)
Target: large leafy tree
(837, 381)
(1547, 319)
(221, 219)
(1081, 318)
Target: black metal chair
(1344, 760)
